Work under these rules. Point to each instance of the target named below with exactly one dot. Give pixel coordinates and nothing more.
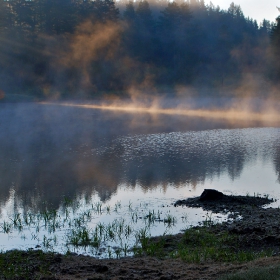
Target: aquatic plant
(169, 220)
(124, 232)
(46, 227)
(208, 220)
(97, 207)
(6, 227)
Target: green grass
(259, 273)
(200, 245)
(24, 265)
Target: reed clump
(79, 229)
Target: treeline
(85, 48)
(53, 16)
(275, 52)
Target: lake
(94, 167)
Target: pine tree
(275, 44)
(105, 10)
(4, 15)
(145, 32)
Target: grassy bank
(121, 242)
(200, 245)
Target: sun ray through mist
(268, 117)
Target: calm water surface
(129, 163)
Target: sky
(256, 9)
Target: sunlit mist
(267, 116)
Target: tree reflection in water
(47, 153)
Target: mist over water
(186, 98)
(50, 152)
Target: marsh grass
(6, 227)
(169, 220)
(198, 245)
(23, 265)
(256, 273)
(97, 207)
(76, 230)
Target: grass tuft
(24, 265)
(259, 273)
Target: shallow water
(136, 163)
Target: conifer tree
(3, 15)
(275, 43)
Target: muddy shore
(257, 227)
(257, 231)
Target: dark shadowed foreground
(82, 267)
(205, 252)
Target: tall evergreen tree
(146, 39)
(85, 9)
(56, 16)
(275, 43)
(24, 15)
(105, 10)
(5, 14)
(129, 14)
(130, 34)
(266, 26)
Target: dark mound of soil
(257, 227)
(227, 203)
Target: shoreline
(237, 244)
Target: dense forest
(85, 48)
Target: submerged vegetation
(197, 245)
(72, 228)
(76, 228)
